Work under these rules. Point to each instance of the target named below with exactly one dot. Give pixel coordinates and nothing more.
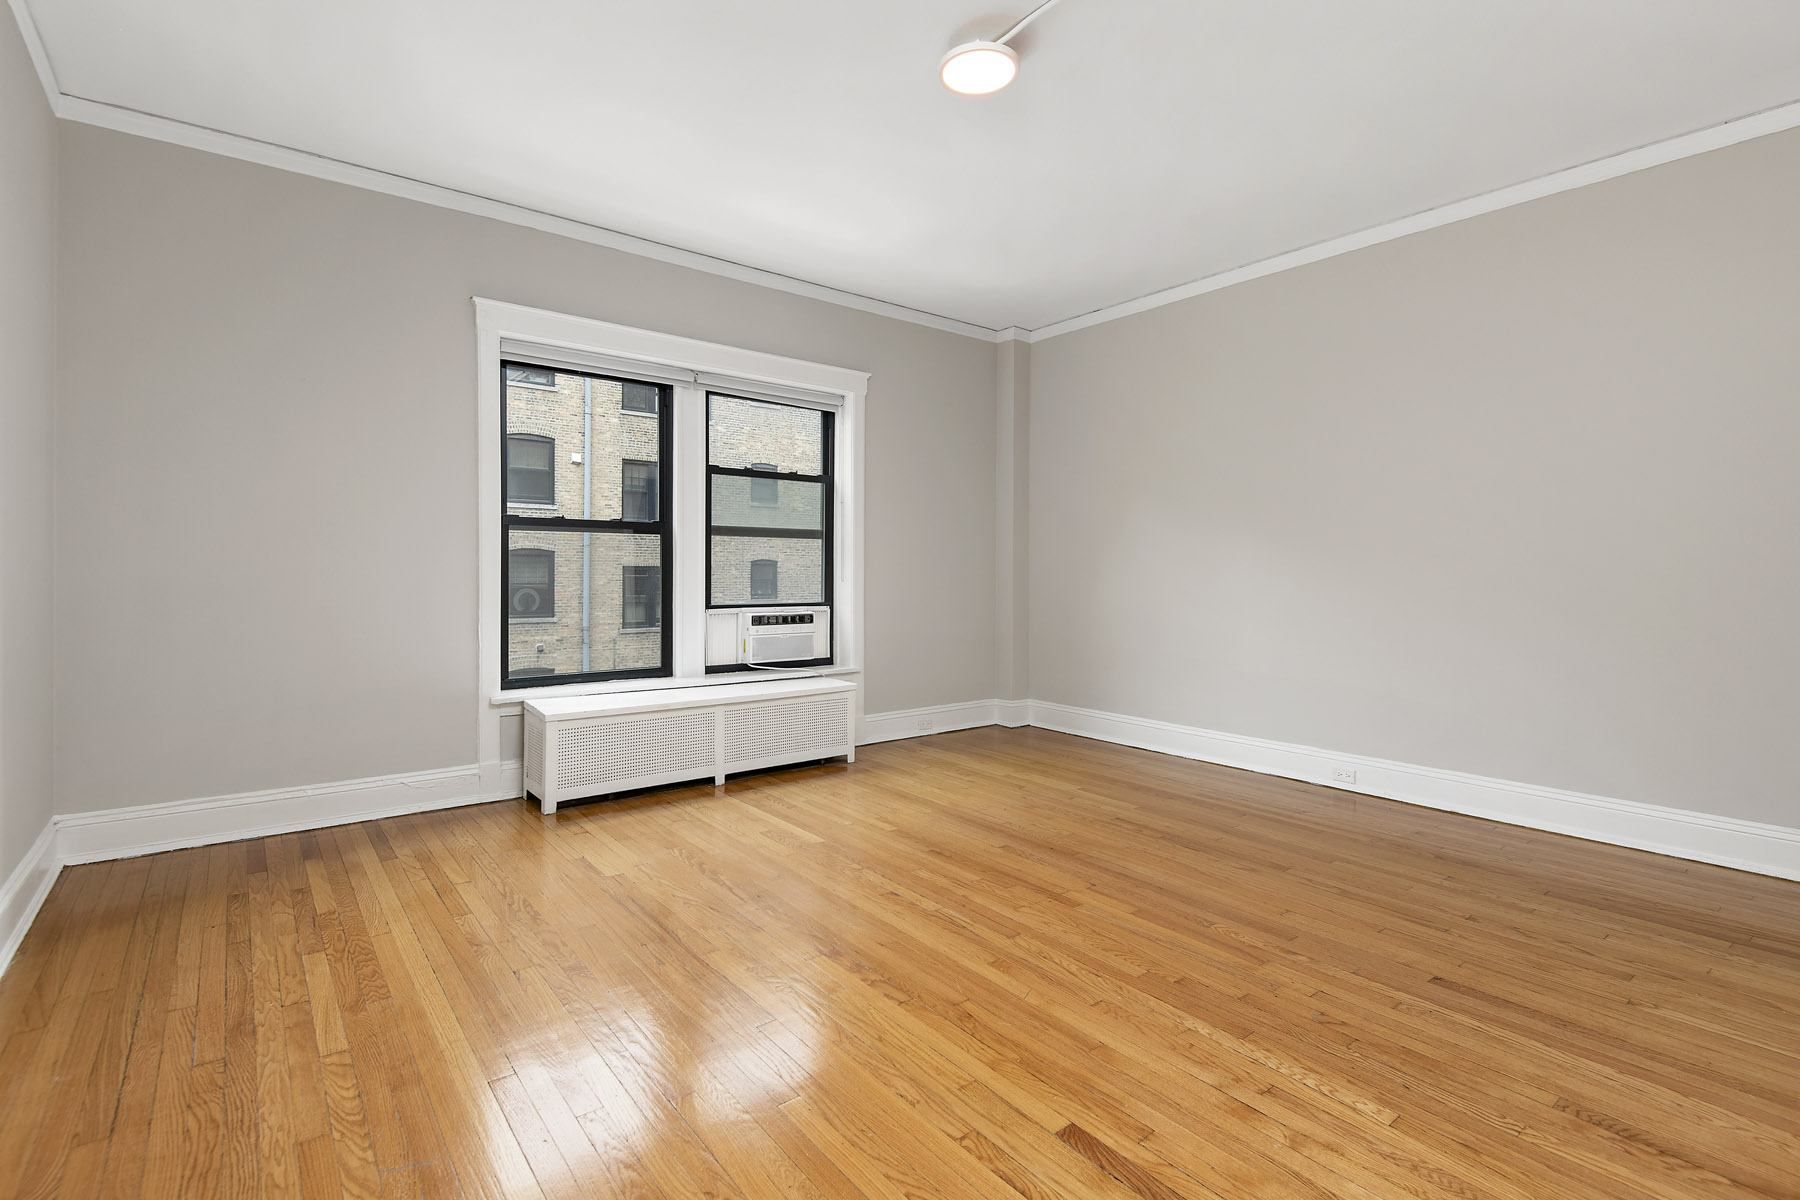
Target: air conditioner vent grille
(601, 755)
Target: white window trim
(560, 337)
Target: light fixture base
(978, 68)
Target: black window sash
(661, 528)
(823, 534)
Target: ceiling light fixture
(983, 67)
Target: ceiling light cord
(1027, 19)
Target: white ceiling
(1146, 143)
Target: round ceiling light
(979, 68)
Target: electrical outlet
(1343, 775)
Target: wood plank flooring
(994, 964)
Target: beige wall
(1519, 496)
(27, 352)
(265, 458)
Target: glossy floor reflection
(990, 964)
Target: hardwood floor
(989, 964)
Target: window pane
(797, 564)
(638, 491)
(594, 437)
(764, 579)
(530, 470)
(780, 504)
(742, 432)
(640, 604)
(531, 583)
(639, 397)
(550, 639)
(533, 376)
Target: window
(561, 622)
(638, 397)
(637, 490)
(763, 577)
(524, 376)
(531, 583)
(769, 531)
(765, 493)
(530, 469)
(640, 598)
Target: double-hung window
(585, 545)
(645, 498)
(769, 537)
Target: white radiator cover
(593, 745)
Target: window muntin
(592, 546)
(760, 515)
(764, 578)
(531, 583)
(638, 489)
(530, 469)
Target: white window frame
(692, 368)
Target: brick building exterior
(581, 447)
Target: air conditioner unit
(767, 636)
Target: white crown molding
(40, 58)
(285, 158)
(1699, 141)
(230, 145)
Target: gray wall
(27, 352)
(265, 467)
(1519, 496)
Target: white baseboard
(939, 718)
(1680, 833)
(24, 890)
(150, 828)
(1014, 714)
(128, 832)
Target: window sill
(517, 696)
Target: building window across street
(524, 376)
(637, 490)
(640, 605)
(531, 584)
(765, 493)
(639, 397)
(763, 579)
(530, 469)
